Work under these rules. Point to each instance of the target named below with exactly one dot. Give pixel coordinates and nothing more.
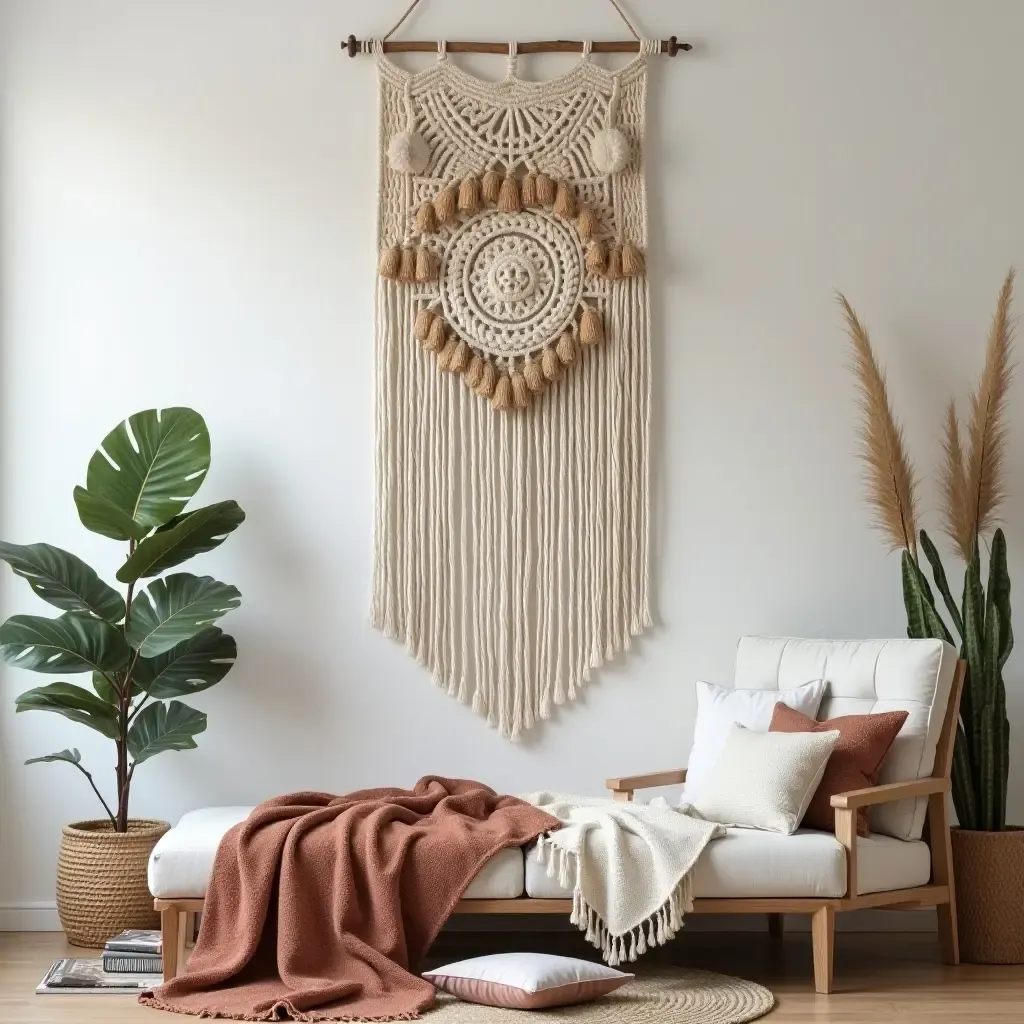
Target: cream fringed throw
(513, 380)
(630, 866)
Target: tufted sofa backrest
(865, 677)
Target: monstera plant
(139, 652)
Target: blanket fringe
(656, 930)
(152, 999)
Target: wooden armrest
(630, 782)
(892, 791)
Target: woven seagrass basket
(101, 879)
(988, 871)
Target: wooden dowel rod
(355, 46)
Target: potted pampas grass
(988, 854)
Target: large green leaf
(161, 727)
(74, 702)
(144, 473)
(939, 572)
(71, 756)
(922, 618)
(174, 609)
(193, 665)
(70, 643)
(999, 593)
(184, 536)
(63, 579)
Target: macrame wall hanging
(513, 374)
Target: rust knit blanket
(319, 906)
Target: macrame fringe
(565, 201)
(533, 375)
(613, 266)
(596, 258)
(469, 195)
(587, 224)
(492, 185)
(521, 393)
(508, 196)
(633, 263)
(591, 331)
(424, 321)
(446, 204)
(529, 190)
(488, 381)
(504, 399)
(426, 219)
(546, 190)
(407, 266)
(390, 263)
(436, 336)
(565, 349)
(550, 364)
(427, 265)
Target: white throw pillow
(765, 780)
(527, 981)
(718, 707)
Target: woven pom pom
(408, 153)
(445, 356)
(587, 223)
(492, 186)
(610, 151)
(529, 190)
(566, 348)
(435, 336)
(426, 265)
(521, 394)
(633, 262)
(424, 321)
(407, 268)
(469, 194)
(546, 190)
(488, 381)
(459, 362)
(591, 331)
(533, 375)
(446, 204)
(504, 400)
(550, 364)
(596, 258)
(565, 201)
(508, 197)
(390, 263)
(426, 219)
(475, 372)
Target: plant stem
(124, 701)
(99, 795)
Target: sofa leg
(823, 937)
(775, 926)
(949, 939)
(170, 930)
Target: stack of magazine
(131, 962)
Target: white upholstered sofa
(904, 863)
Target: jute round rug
(667, 996)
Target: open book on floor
(84, 975)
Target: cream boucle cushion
(765, 779)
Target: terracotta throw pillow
(864, 740)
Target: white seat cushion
(747, 862)
(864, 677)
(179, 867)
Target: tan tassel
(566, 348)
(533, 375)
(565, 201)
(488, 381)
(591, 331)
(633, 262)
(390, 263)
(546, 191)
(446, 204)
(504, 400)
(469, 194)
(426, 219)
(550, 364)
(492, 186)
(587, 224)
(424, 321)
(613, 267)
(521, 394)
(426, 265)
(407, 270)
(508, 197)
(445, 356)
(475, 372)
(436, 336)
(529, 190)
(460, 359)
(596, 258)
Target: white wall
(188, 191)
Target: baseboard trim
(29, 917)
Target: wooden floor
(879, 977)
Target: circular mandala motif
(510, 282)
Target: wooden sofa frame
(178, 917)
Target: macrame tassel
(435, 336)
(475, 372)
(424, 321)
(597, 259)
(546, 191)
(591, 331)
(492, 186)
(426, 219)
(529, 190)
(566, 348)
(508, 197)
(407, 269)
(503, 400)
(613, 266)
(565, 201)
(446, 204)
(447, 354)
(459, 362)
(390, 263)
(550, 364)
(488, 381)
(533, 375)
(426, 265)
(633, 262)
(587, 223)
(469, 194)
(521, 393)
